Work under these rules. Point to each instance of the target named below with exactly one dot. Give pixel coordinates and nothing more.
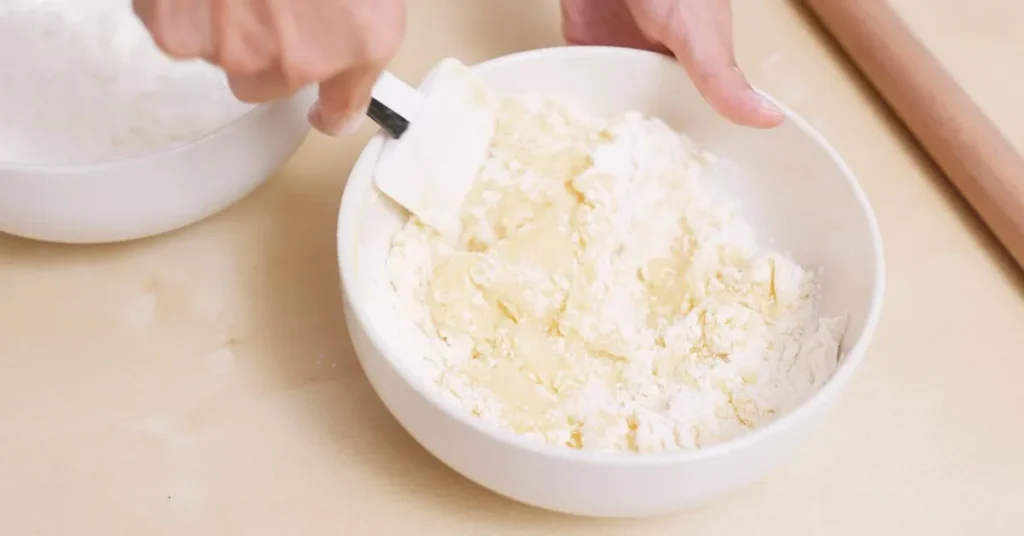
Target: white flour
(82, 82)
(601, 298)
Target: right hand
(271, 48)
(697, 32)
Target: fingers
(182, 28)
(604, 23)
(343, 101)
(378, 27)
(269, 49)
(243, 38)
(699, 33)
(729, 93)
(263, 86)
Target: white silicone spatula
(440, 135)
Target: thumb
(343, 101)
(699, 34)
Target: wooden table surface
(202, 382)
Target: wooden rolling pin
(977, 158)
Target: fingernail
(352, 124)
(771, 107)
(771, 114)
(334, 127)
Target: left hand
(272, 48)
(697, 32)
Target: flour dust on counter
(84, 83)
(600, 297)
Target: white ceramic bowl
(796, 190)
(155, 193)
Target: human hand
(270, 49)
(697, 32)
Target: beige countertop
(202, 382)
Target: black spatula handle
(388, 119)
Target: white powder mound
(601, 298)
(82, 82)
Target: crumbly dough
(600, 298)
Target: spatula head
(432, 167)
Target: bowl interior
(793, 187)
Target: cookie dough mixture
(601, 298)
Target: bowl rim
(361, 177)
(74, 170)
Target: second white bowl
(153, 194)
